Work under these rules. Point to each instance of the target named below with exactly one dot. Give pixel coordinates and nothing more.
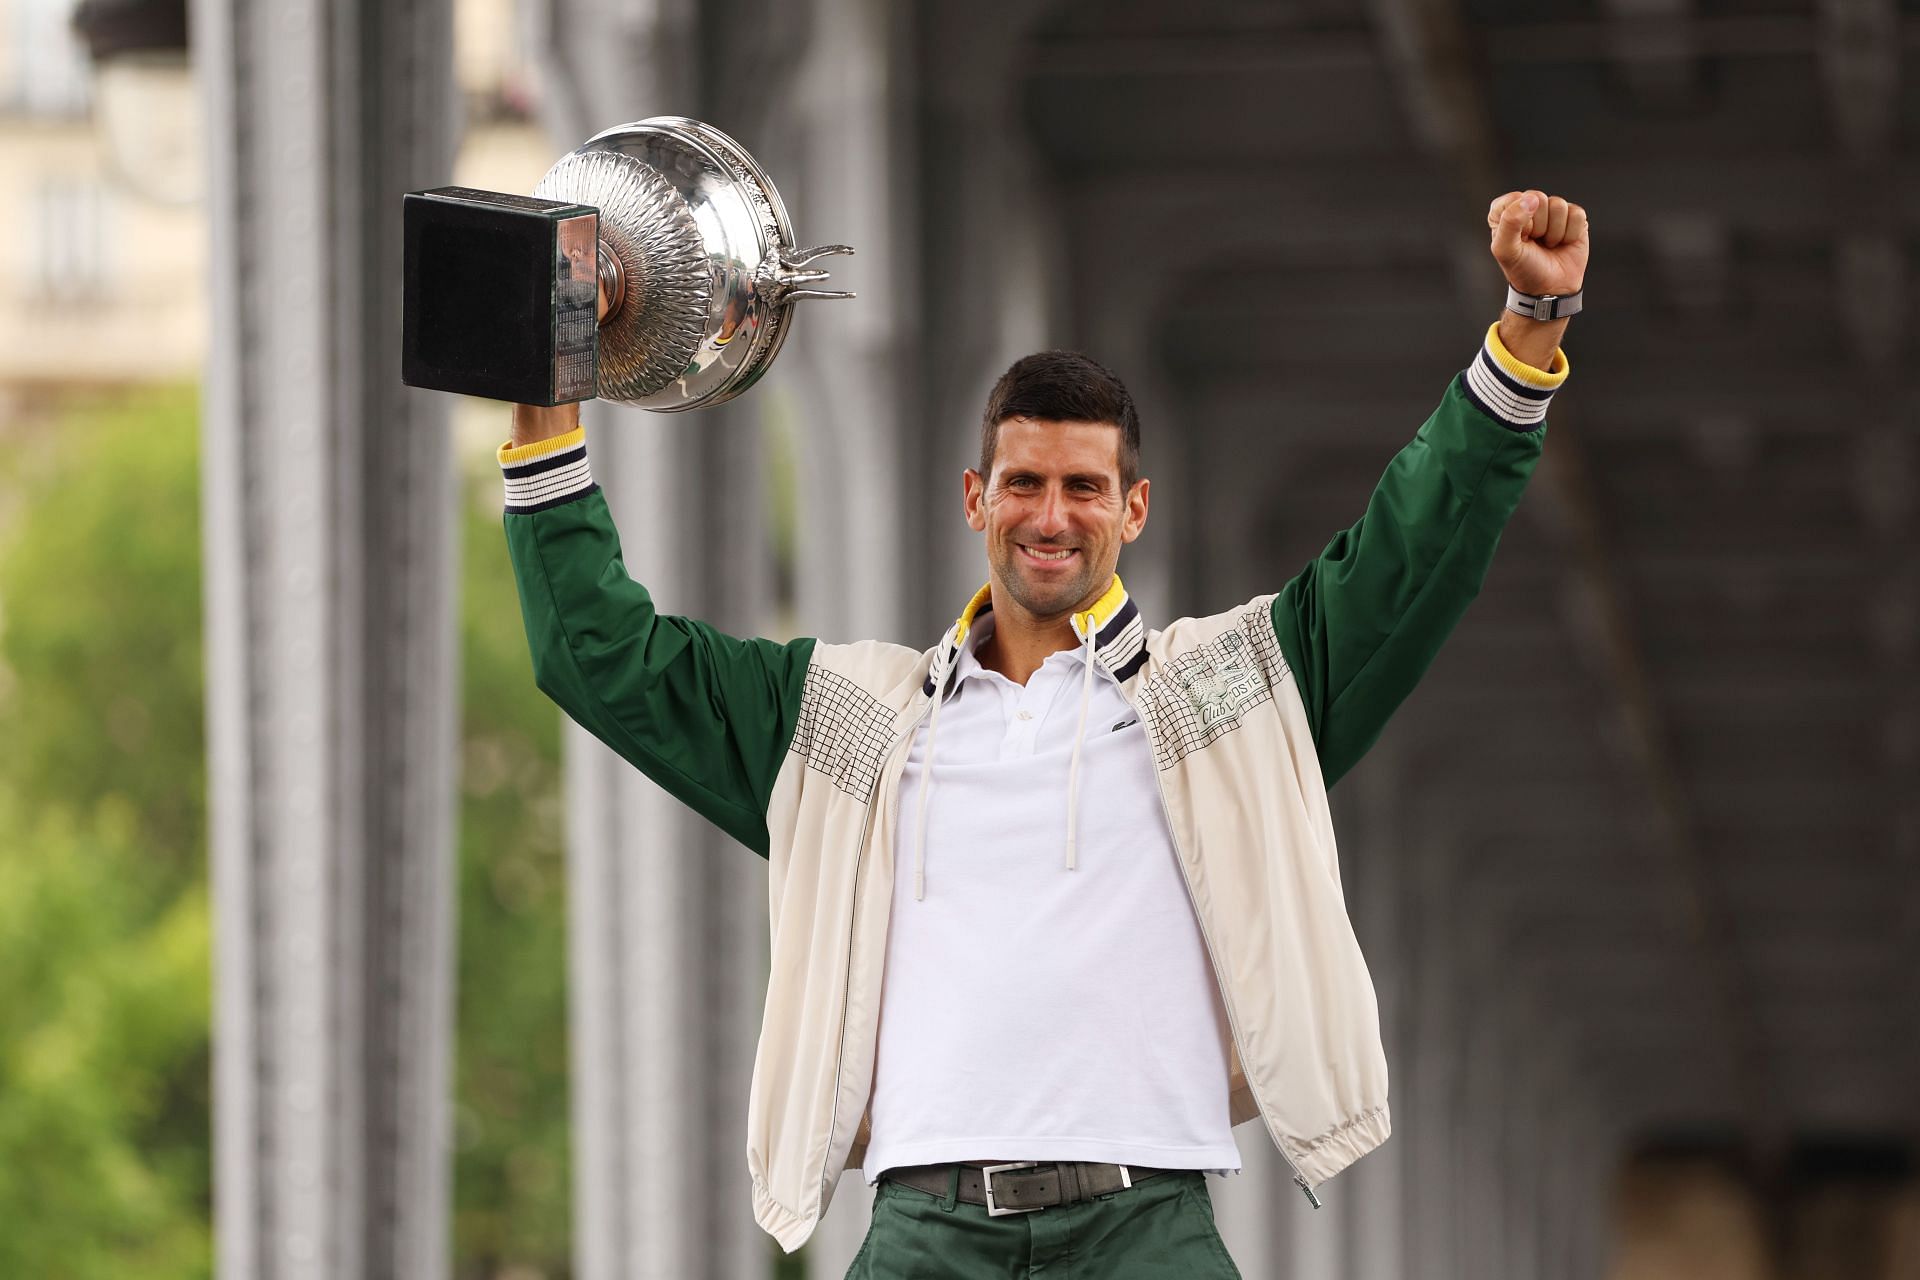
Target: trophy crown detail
(707, 255)
(782, 275)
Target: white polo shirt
(1031, 1012)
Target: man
(1055, 903)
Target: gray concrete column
(1502, 1129)
(1254, 1209)
(994, 269)
(1520, 1148)
(1268, 1225)
(1368, 808)
(1599, 1143)
(1553, 1190)
(667, 933)
(331, 653)
(1430, 1124)
(1485, 1078)
(1562, 1093)
(1266, 1222)
(1500, 1102)
(1319, 1238)
(1559, 1179)
(848, 378)
(1527, 1172)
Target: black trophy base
(500, 296)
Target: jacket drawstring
(1073, 774)
(926, 786)
(1079, 735)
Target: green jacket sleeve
(1362, 622)
(706, 716)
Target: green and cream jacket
(795, 749)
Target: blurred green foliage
(104, 998)
(105, 989)
(511, 1180)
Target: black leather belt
(1026, 1186)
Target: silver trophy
(666, 227)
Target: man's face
(1054, 513)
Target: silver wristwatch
(1547, 306)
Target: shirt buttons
(1026, 715)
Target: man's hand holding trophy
(655, 265)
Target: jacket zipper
(1206, 936)
(846, 987)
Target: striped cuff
(1505, 388)
(546, 473)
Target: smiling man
(1055, 903)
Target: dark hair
(1062, 386)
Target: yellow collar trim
(981, 599)
(1103, 610)
(1093, 619)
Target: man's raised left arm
(1362, 622)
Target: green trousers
(1161, 1229)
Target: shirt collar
(966, 661)
(967, 664)
(1119, 637)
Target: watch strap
(1549, 306)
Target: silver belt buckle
(986, 1179)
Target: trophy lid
(706, 260)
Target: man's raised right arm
(705, 715)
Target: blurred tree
(100, 673)
(105, 1152)
(104, 991)
(103, 1059)
(511, 1177)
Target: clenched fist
(1540, 241)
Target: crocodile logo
(1228, 688)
